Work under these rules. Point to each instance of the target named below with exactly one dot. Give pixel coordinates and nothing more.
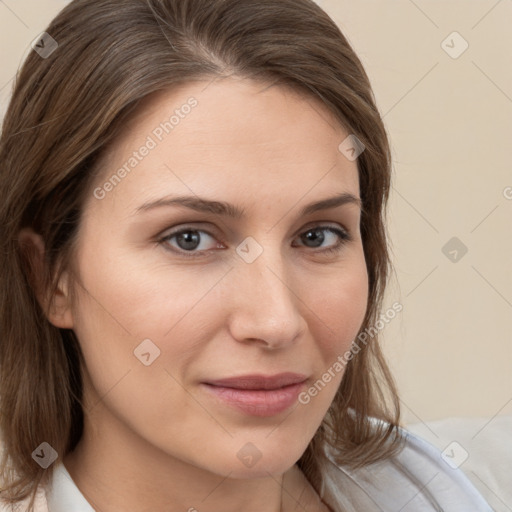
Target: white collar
(63, 495)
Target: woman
(193, 264)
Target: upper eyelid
(308, 226)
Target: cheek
(122, 317)
(338, 309)
(141, 295)
(133, 371)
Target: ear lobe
(56, 308)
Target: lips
(259, 382)
(257, 395)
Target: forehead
(235, 134)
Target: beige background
(450, 124)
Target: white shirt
(418, 480)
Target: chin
(262, 456)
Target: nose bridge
(266, 305)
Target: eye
(315, 236)
(188, 241)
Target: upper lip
(255, 382)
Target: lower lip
(258, 402)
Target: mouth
(257, 395)
(259, 382)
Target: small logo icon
(351, 147)
(249, 455)
(454, 455)
(44, 455)
(454, 250)
(454, 45)
(44, 45)
(146, 352)
(249, 249)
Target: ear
(56, 308)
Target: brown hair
(68, 107)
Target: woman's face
(267, 292)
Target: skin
(154, 439)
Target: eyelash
(344, 237)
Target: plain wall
(450, 125)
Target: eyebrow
(229, 210)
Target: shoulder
(480, 446)
(418, 479)
(440, 472)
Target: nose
(265, 307)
